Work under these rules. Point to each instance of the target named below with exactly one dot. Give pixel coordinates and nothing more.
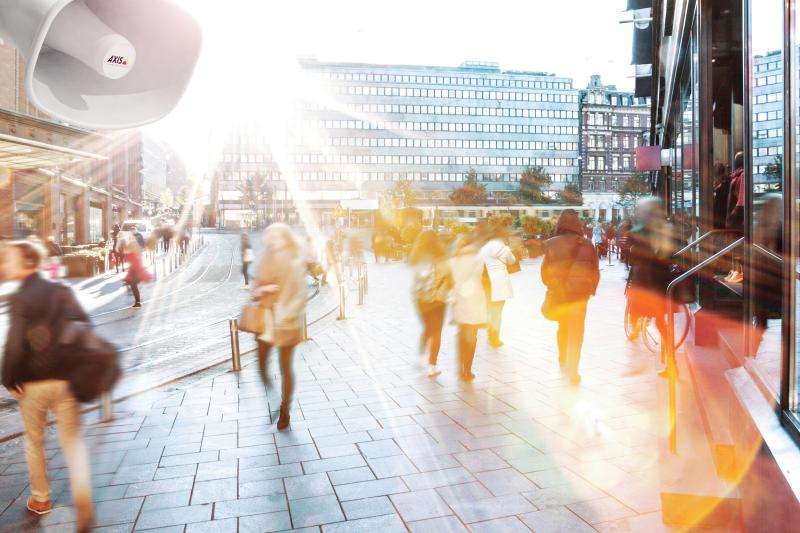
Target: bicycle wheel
(632, 325)
(652, 337)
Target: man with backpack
(32, 371)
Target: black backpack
(88, 362)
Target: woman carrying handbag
(281, 292)
(570, 272)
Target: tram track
(180, 289)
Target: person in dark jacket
(767, 275)
(734, 220)
(722, 185)
(31, 371)
(570, 272)
(114, 253)
(652, 246)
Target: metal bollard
(106, 414)
(341, 303)
(360, 288)
(236, 357)
(305, 327)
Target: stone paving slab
(376, 445)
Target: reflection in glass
(766, 165)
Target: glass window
(763, 272)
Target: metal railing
(669, 342)
(701, 238)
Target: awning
(19, 153)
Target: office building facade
(432, 125)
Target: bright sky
(248, 64)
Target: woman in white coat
(469, 301)
(497, 256)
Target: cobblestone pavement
(376, 445)
(182, 326)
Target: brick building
(612, 127)
(58, 180)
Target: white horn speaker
(103, 64)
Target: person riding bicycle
(651, 247)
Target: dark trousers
(572, 317)
(287, 374)
(467, 340)
(432, 322)
(135, 290)
(246, 272)
(495, 320)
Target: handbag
(93, 368)
(553, 301)
(251, 319)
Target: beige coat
(468, 295)
(285, 268)
(497, 257)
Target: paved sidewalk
(376, 445)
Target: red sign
(648, 158)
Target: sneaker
(468, 376)
(496, 343)
(38, 507)
(137, 305)
(433, 371)
(283, 420)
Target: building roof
(482, 67)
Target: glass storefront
(764, 207)
(95, 223)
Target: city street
(375, 444)
(182, 326)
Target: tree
(501, 220)
(570, 195)
(167, 199)
(774, 170)
(402, 195)
(471, 193)
(532, 184)
(456, 227)
(533, 226)
(633, 188)
(255, 195)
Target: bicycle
(646, 327)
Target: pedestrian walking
(282, 292)
(571, 274)
(115, 255)
(31, 371)
(432, 284)
(247, 257)
(597, 239)
(652, 244)
(497, 257)
(137, 273)
(469, 300)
